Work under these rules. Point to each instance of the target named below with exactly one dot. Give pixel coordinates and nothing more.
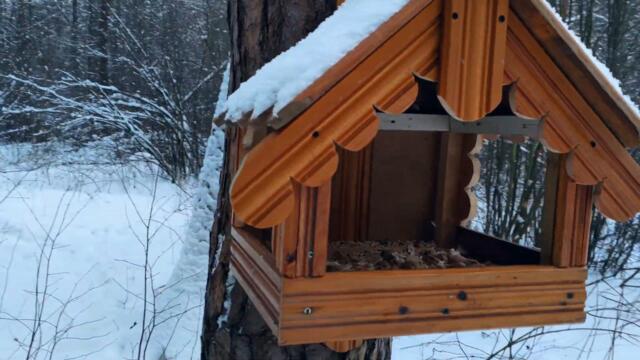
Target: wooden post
(458, 171)
(567, 217)
(300, 243)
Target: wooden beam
(458, 171)
(301, 242)
(567, 219)
(573, 222)
(364, 305)
(472, 56)
(252, 265)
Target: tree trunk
(98, 62)
(232, 327)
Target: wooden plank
(577, 66)
(236, 153)
(483, 247)
(285, 246)
(253, 267)
(257, 252)
(338, 306)
(552, 174)
(314, 230)
(292, 336)
(572, 222)
(351, 192)
(472, 57)
(302, 240)
(262, 194)
(458, 172)
(405, 280)
(403, 186)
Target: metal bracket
(506, 125)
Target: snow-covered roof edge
(278, 82)
(599, 71)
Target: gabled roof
(585, 114)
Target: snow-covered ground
(73, 241)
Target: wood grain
(474, 39)
(351, 193)
(458, 172)
(253, 267)
(572, 223)
(339, 305)
(301, 242)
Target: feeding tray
(339, 306)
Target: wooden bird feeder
(381, 149)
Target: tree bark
(232, 327)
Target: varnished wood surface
(301, 242)
(458, 172)
(403, 186)
(262, 194)
(252, 266)
(474, 40)
(572, 221)
(391, 303)
(350, 197)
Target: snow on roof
(287, 75)
(605, 72)
(277, 83)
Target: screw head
(445, 311)
(310, 254)
(403, 310)
(307, 311)
(462, 296)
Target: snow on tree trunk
(232, 327)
